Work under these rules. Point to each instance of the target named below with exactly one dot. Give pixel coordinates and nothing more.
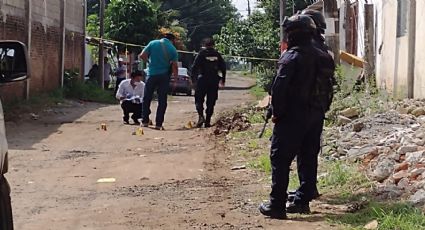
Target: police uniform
(205, 70)
(298, 124)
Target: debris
(189, 125)
(343, 120)
(263, 103)
(372, 225)
(34, 116)
(238, 167)
(418, 197)
(140, 132)
(103, 127)
(383, 170)
(106, 180)
(418, 112)
(358, 126)
(350, 113)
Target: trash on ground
(106, 180)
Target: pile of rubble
(390, 146)
(236, 122)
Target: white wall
(419, 71)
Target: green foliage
(262, 163)
(265, 77)
(132, 21)
(93, 25)
(391, 216)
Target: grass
(390, 216)
(89, 92)
(258, 92)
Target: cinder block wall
(45, 50)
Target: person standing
(298, 121)
(107, 74)
(205, 70)
(130, 93)
(120, 74)
(162, 57)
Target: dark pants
(206, 86)
(161, 84)
(6, 220)
(117, 84)
(130, 107)
(295, 136)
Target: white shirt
(107, 72)
(125, 89)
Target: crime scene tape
(181, 51)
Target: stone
(372, 225)
(414, 157)
(420, 134)
(400, 175)
(264, 103)
(343, 120)
(362, 151)
(403, 183)
(418, 197)
(418, 112)
(350, 113)
(416, 172)
(410, 109)
(407, 149)
(402, 110)
(383, 170)
(419, 142)
(358, 126)
(402, 166)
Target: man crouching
(130, 93)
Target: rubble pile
(235, 122)
(390, 146)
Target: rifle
(267, 115)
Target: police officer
(205, 70)
(318, 42)
(298, 125)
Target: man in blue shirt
(162, 57)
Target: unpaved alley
(173, 179)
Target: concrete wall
(45, 53)
(419, 67)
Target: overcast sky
(242, 5)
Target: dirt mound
(231, 122)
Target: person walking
(162, 57)
(107, 73)
(205, 70)
(298, 113)
(130, 93)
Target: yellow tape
(183, 51)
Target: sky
(242, 5)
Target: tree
(132, 21)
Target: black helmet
(318, 19)
(299, 22)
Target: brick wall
(45, 41)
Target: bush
(265, 77)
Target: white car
(13, 67)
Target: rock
(410, 109)
(414, 157)
(420, 134)
(343, 120)
(372, 225)
(400, 175)
(418, 197)
(402, 110)
(358, 126)
(418, 112)
(407, 149)
(362, 151)
(402, 166)
(403, 183)
(416, 172)
(390, 191)
(350, 113)
(419, 142)
(383, 170)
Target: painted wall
(45, 41)
(419, 67)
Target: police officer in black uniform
(318, 42)
(205, 70)
(298, 125)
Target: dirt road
(172, 179)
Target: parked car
(183, 83)
(13, 67)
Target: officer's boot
(201, 120)
(208, 121)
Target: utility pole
(101, 45)
(282, 18)
(249, 8)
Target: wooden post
(101, 45)
(28, 28)
(62, 44)
(369, 38)
(412, 51)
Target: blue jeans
(161, 83)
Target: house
(386, 33)
(53, 31)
